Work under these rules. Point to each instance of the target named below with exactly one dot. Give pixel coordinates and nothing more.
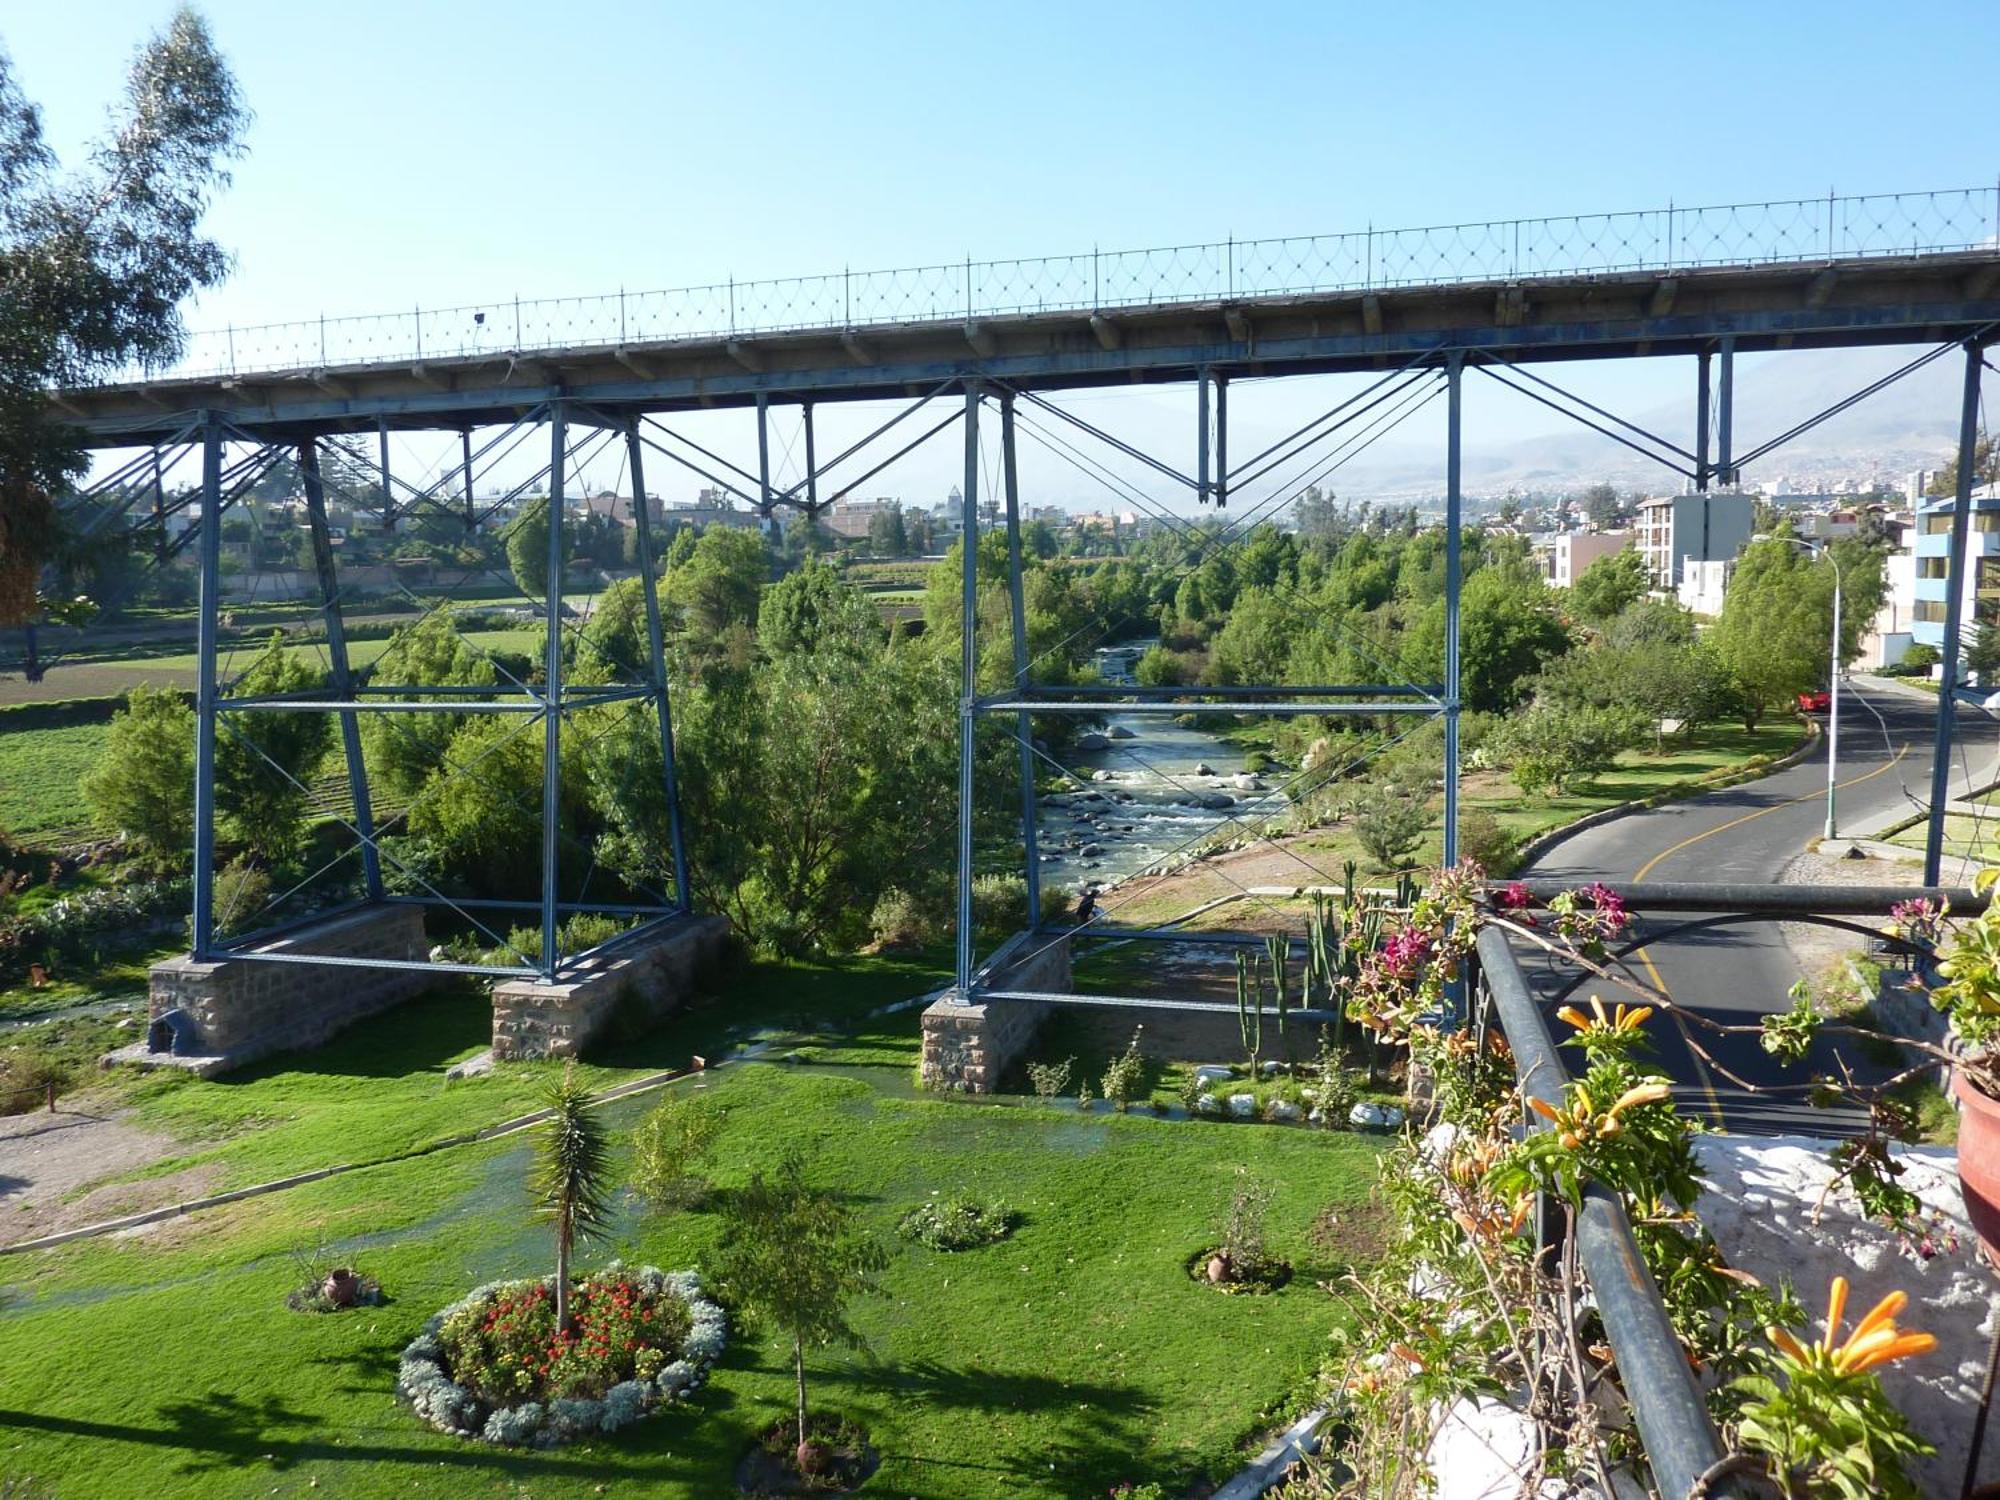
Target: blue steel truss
(1928, 286)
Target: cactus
(1279, 951)
(1249, 1008)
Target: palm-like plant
(571, 1188)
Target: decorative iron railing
(1828, 228)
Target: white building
(1677, 530)
(1568, 554)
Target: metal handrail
(1673, 238)
(1680, 1441)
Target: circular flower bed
(493, 1365)
(951, 1224)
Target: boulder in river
(1203, 768)
(1214, 801)
(1092, 740)
(1120, 732)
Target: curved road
(1749, 833)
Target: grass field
(40, 772)
(1073, 1356)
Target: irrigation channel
(1154, 786)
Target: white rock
(1760, 1208)
(1368, 1115)
(1206, 1104)
(1283, 1110)
(1243, 1106)
(1203, 768)
(1212, 1073)
(1272, 1067)
(1103, 775)
(1245, 782)
(474, 1066)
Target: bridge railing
(1808, 230)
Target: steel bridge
(1414, 310)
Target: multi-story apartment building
(1932, 545)
(1677, 530)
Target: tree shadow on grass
(222, 1431)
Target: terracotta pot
(1218, 1269)
(342, 1287)
(812, 1457)
(1979, 1161)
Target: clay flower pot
(341, 1287)
(1979, 1160)
(1218, 1269)
(812, 1457)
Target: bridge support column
(1954, 601)
(1202, 485)
(1453, 567)
(1024, 722)
(1221, 440)
(552, 695)
(382, 462)
(764, 460)
(968, 687)
(1702, 402)
(336, 655)
(206, 620)
(656, 660)
(1725, 416)
(812, 469)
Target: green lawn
(41, 771)
(1073, 1356)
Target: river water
(1154, 788)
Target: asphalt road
(1749, 833)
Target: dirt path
(48, 1161)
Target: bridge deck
(1872, 300)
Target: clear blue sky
(436, 152)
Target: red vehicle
(1818, 701)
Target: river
(1156, 787)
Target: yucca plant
(571, 1177)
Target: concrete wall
(968, 1048)
(533, 1019)
(242, 1009)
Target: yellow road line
(1700, 1068)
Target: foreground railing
(1680, 1441)
(1655, 239)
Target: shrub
(1389, 823)
(952, 1224)
(143, 782)
(1482, 839)
(901, 921)
(25, 1076)
(242, 892)
(1050, 1080)
(1243, 1226)
(1551, 746)
(1125, 1079)
(669, 1148)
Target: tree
(1508, 630)
(1390, 822)
(1985, 467)
(670, 1148)
(403, 749)
(572, 1173)
(793, 1256)
(887, 536)
(716, 590)
(1982, 654)
(1600, 505)
(1610, 586)
(142, 783)
(1550, 745)
(94, 265)
(1320, 517)
(1777, 620)
(264, 760)
(528, 548)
